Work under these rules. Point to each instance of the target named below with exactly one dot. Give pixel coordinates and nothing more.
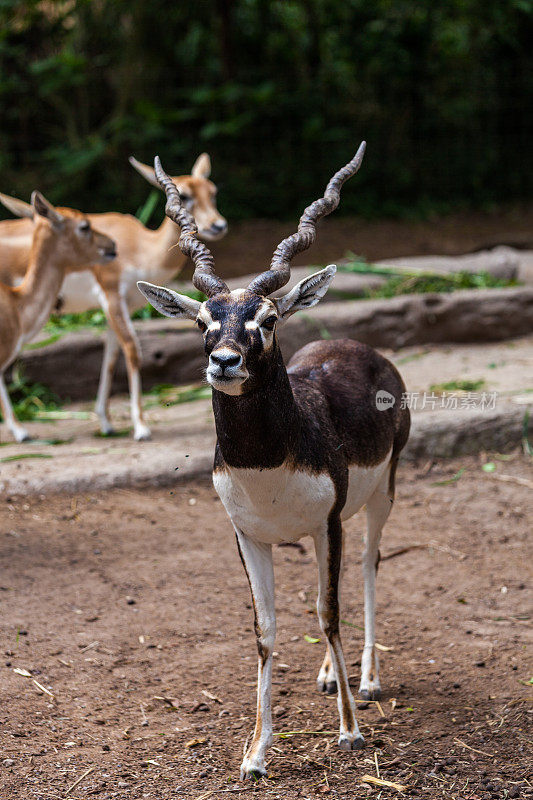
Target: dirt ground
(132, 610)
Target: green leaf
(147, 209)
(117, 434)
(454, 479)
(458, 386)
(490, 466)
(311, 639)
(25, 455)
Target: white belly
(79, 292)
(276, 505)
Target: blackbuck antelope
(142, 253)
(63, 240)
(299, 449)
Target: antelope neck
(257, 430)
(44, 276)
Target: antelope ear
(45, 209)
(144, 170)
(202, 167)
(169, 302)
(17, 207)
(307, 293)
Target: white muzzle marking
(226, 371)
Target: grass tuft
(30, 399)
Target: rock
(172, 351)
(501, 262)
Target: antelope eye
(269, 323)
(84, 227)
(186, 198)
(201, 325)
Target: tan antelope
(142, 254)
(63, 240)
(299, 449)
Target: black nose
(219, 226)
(226, 359)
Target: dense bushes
(278, 91)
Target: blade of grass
(22, 456)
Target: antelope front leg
(119, 319)
(329, 553)
(326, 677)
(257, 561)
(20, 433)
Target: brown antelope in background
(63, 240)
(142, 253)
(299, 449)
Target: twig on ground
(89, 647)
(80, 779)
(513, 479)
(379, 782)
(43, 689)
(481, 752)
(424, 546)
(211, 696)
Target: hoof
(347, 743)
(21, 435)
(107, 430)
(367, 694)
(252, 773)
(142, 434)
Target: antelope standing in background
(299, 449)
(142, 253)
(63, 240)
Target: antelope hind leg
(328, 551)
(111, 348)
(378, 509)
(326, 681)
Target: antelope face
(77, 244)
(197, 195)
(239, 327)
(85, 244)
(238, 331)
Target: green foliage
(402, 281)
(65, 323)
(423, 284)
(30, 399)
(458, 386)
(279, 93)
(166, 394)
(145, 211)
